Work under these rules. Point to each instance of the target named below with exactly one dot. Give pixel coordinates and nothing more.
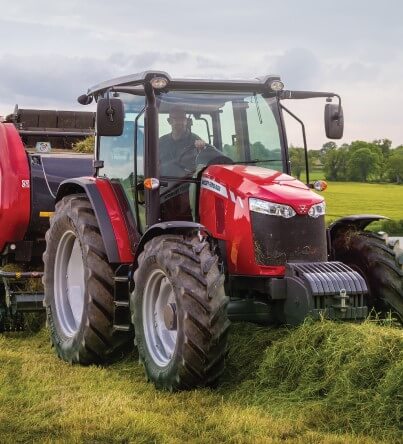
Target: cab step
(121, 312)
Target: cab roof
(260, 84)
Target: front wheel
(179, 312)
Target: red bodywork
(117, 219)
(15, 198)
(224, 209)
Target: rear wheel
(78, 283)
(379, 261)
(180, 313)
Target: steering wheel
(205, 156)
(210, 155)
(191, 149)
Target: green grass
(320, 383)
(344, 198)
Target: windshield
(195, 130)
(198, 128)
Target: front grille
(278, 240)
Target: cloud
(53, 51)
(299, 68)
(38, 80)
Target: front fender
(357, 221)
(178, 226)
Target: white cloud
(52, 51)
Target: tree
(335, 164)
(297, 159)
(395, 164)
(384, 145)
(259, 151)
(326, 148)
(363, 162)
(314, 157)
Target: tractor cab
(220, 122)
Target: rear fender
(112, 222)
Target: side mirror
(334, 121)
(110, 117)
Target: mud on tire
(86, 336)
(380, 261)
(181, 272)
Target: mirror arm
(303, 136)
(109, 111)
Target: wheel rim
(158, 294)
(69, 284)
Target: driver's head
(178, 121)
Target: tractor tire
(179, 312)
(379, 261)
(78, 283)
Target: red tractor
(192, 219)
(29, 178)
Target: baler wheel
(380, 261)
(78, 283)
(179, 312)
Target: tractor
(162, 249)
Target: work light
(159, 82)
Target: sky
(51, 52)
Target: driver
(178, 151)
(180, 139)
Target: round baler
(28, 184)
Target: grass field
(319, 383)
(346, 198)
(343, 198)
(356, 197)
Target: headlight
(274, 209)
(317, 209)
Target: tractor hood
(262, 183)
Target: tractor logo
(303, 208)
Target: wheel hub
(69, 284)
(159, 317)
(170, 316)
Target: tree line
(358, 161)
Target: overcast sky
(52, 51)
